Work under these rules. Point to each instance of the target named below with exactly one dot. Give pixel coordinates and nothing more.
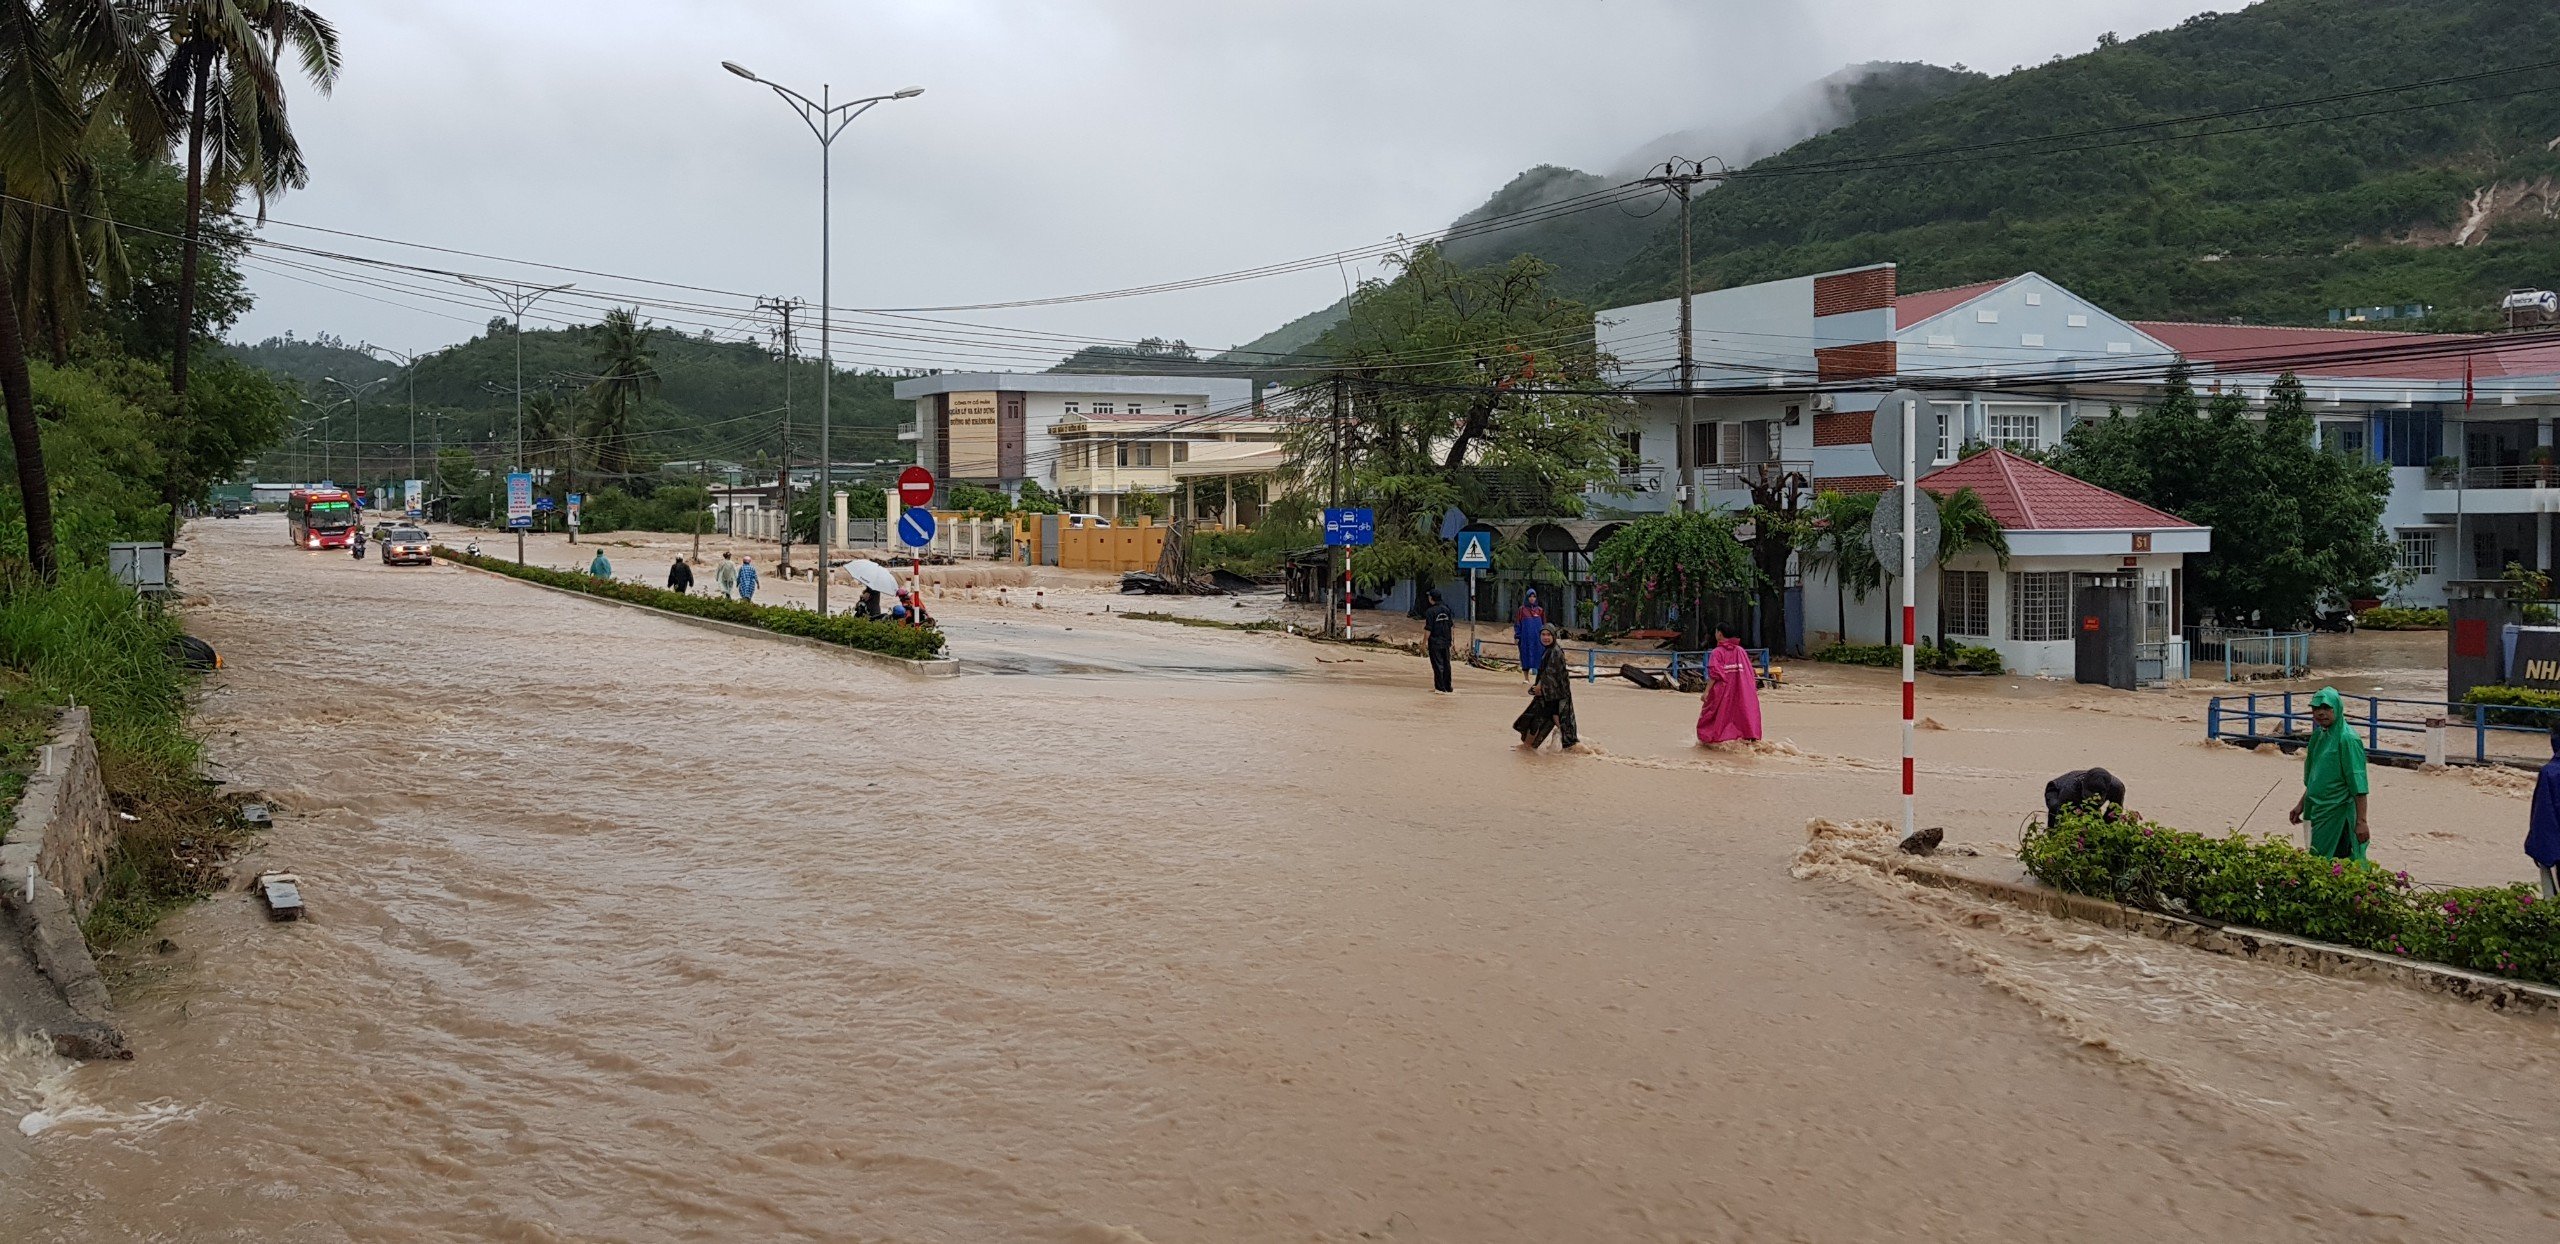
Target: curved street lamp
(825, 119)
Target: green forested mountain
(2442, 195)
(716, 399)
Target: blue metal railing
(2243, 719)
(1652, 660)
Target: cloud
(1061, 146)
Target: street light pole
(516, 299)
(826, 119)
(409, 371)
(354, 393)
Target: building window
(1102, 408)
(1182, 451)
(1949, 417)
(1122, 453)
(2343, 438)
(1146, 455)
(2418, 551)
(2039, 606)
(1630, 452)
(2015, 425)
(1967, 594)
(1072, 407)
(1133, 409)
(1181, 408)
(2410, 438)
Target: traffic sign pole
(1910, 602)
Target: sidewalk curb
(942, 667)
(2239, 941)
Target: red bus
(320, 518)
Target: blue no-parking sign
(915, 527)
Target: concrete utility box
(142, 567)
(2104, 641)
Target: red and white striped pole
(1910, 600)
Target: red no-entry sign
(915, 487)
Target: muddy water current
(625, 930)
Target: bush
(2518, 697)
(2396, 618)
(913, 643)
(1965, 658)
(2268, 883)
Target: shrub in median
(2268, 883)
(1966, 657)
(914, 643)
(2516, 697)
(2396, 618)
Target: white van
(1085, 520)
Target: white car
(1085, 520)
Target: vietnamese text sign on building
(974, 444)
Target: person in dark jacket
(679, 576)
(1550, 708)
(2542, 833)
(2078, 787)
(1439, 628)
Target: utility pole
(517, 299)
(1678, 176)
(409, 370)
(783, 307)
(1332, 567)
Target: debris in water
(1929, 723)
(255, 814)
(283, 895)
(1924, 841)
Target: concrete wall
(65, 832)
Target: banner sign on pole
(519, 499)
(574, 499)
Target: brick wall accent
(1868, 289)
(1866, 360)
(1853, 483)
(1842, 428)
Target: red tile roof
(2354, 352)
(2028, 496)
(1910, 309)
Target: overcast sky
(1062, 146)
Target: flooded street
(627, 930)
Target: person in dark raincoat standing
(2542, 835)
(1439, 629)
(679, 576)
(1550, 700)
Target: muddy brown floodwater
(624, 930)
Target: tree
(2291, 522)
(1965, 525)
(1480, 389)
(1675, 562)
(1837, 542)
(221, 74)
(627, 375)
(62, 65)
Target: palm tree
(626, 375)
(64, 64)
(1839, 525)
(1965, 525)
(221, 75)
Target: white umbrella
(872, 575)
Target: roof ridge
(2009, 477)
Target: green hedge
(1965, 657)
(2517, 697)
(2271, 884)
(2396, 618)
(897, 639)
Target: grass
(897, 639)
(88, 640)
(26, 723)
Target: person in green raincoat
(2333, 783)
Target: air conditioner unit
(1824, 403)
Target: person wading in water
(1439, 628)
(1550, 700)
(2333, 783)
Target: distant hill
(2447, 195)
(718, 399)
(1590, 248)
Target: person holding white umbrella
(874, 579)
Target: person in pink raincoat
(1731, 708)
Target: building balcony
(1741, 478)
(2527, 475)
(907, 432)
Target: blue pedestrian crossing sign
(1475, 549)
(915, 527)
(1350, 527)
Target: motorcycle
(357, 546)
